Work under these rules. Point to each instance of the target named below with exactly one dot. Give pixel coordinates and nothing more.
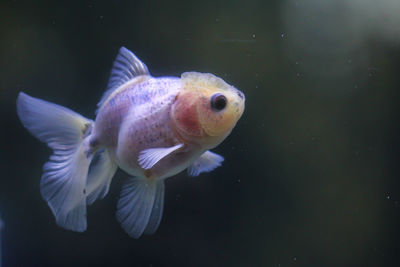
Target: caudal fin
(64, 176)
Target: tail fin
(64, 179)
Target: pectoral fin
(149, 157)
(207, 162)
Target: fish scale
(139, 100)
(149, 123)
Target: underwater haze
(311, 170)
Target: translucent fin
(149, 157)
(126, 67)
(158, 207)
(100, 175)
(63, 187)
(207, 162)
(64, 178)
(50, 123)
(134, 210)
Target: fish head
(206, 108)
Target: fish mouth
(240, 103)
(240, 95)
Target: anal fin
(100, 175)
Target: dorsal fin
(126, 67)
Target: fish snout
(240, 94)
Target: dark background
(311, 176)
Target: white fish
(152, 128)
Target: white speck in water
(238, 180)
(297, 63)
(294, 258)
(282, 35)
(387, 196)
(298, 74)
(254, 35)
(101, 16)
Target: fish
(150, 127)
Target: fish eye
(218, 102)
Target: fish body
(140, 120)
(152, 128)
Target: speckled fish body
(152, 128)
(137, 117)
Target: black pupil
(218, 102)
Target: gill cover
(194, 113)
